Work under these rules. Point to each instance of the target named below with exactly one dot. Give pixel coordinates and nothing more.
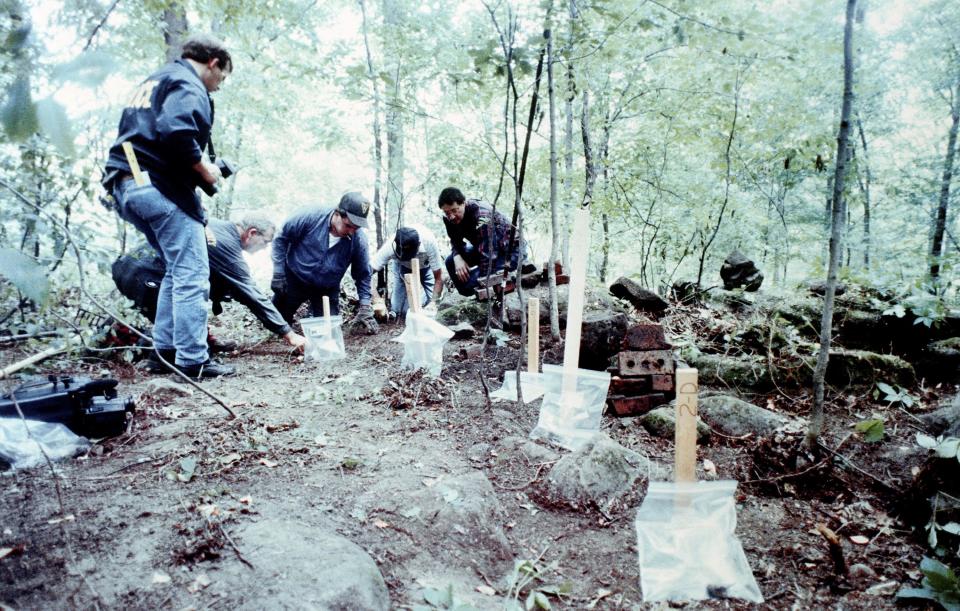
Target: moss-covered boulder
(732, 416)
(466, 310)
(662, 422)
(940, 360)
(739, 372)
(863, 368)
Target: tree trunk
(396, 161)
(865, 189)
(728, 180)
(554, 211)
(605, 188)
(378, 216)
(836, 233)
(568, 139)
(225, 203)
(940, 224)
(589, 165)
(174, 29)
(605, 262)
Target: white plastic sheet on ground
(423, 339)
(22, 452)
(324, 338)
(572, 406)
(687, 546)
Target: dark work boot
(207, 369)
(152, 364)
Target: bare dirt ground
(165, 517)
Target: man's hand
(209, 172)
(461, 269)
(279, 284)
(296, 340)
(379, 309)
(365, 318)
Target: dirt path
(192, 510)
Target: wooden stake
(139, 178)
(533, 334)
(685, 439)
(408, 284)
(580, 249)
(415, 283)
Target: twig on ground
(10, 339)
(851, 464)
(236, 549)
(536, 476)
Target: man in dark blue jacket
(168, 123)
(311, 254)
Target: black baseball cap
(355, 206)
(406, 244)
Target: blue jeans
(472, 258)
(297, 292)
(398, 302)
(181, 322)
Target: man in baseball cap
(355, 206)
(410, 242)
(311, 254)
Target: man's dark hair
(450, 195)
(203, 48)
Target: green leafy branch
(940, 584)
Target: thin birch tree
(838, 225)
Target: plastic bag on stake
(423, 338)
(572, 407)
(324, 336)
(531, 382)
(573, 401)
(685, 530)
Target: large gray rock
(524, 449)
(741, 372)
(662, 422)
(864, 368)
(600, 473)
(302, 567)
(457, 309)
(941, 360)
(731, 416)
(944, 420)
(463, 517)
(514, 309)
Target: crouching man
(410, 242)
(480, 239)
(135, 276)
(311, 255)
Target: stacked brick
(643, 377)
